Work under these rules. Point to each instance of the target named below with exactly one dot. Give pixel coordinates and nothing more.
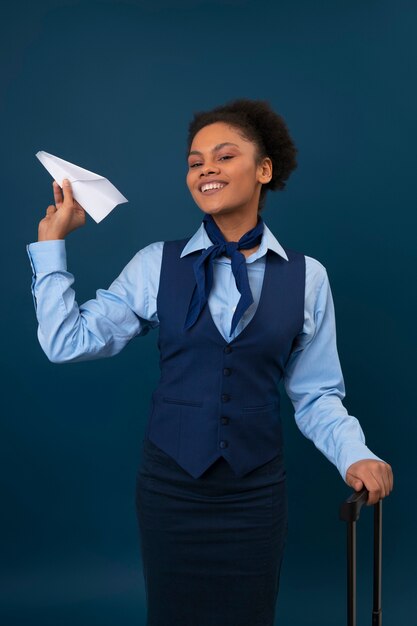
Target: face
(220, 154)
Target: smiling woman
(237, 313)
(226, 179)
(251, 129)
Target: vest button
(225, 420)
(227, 371)
(223, 444)
(225, 397)
(228, 349)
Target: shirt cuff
(356, 451)
(47, 256)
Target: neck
(233, 227)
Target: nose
(209, 169)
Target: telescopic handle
(349, 512)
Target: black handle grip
(350, 509)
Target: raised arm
(102, 326)
(315, 385)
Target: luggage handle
(349, 512)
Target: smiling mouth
(210, 192)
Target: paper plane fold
(93, 192)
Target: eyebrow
(216, 148)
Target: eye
(226, 156)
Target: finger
(367, 480)
(66, 186)
(390, 477)
(78, 205)
(385, 480)
(373, 497)
(379, 476)
(57, 193)
(376, 489)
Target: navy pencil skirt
(212, 546)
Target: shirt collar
(201, 240)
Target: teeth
(212, 186)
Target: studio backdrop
(112, 87)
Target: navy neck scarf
(203, 269)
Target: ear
(265, 169)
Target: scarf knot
(229, 248)
(203, 269)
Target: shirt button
(225, 397)
(228, 349)
(226, 371)
(225, 420)
(223, 444)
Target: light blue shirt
(102, 326)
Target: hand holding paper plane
(93, 192)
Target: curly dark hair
(257, 122)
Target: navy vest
(218, 398)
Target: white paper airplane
(93, 192)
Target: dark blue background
(112, 87)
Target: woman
(236, 312)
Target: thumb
(67, 189)
(356, 483)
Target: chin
(217, 209)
